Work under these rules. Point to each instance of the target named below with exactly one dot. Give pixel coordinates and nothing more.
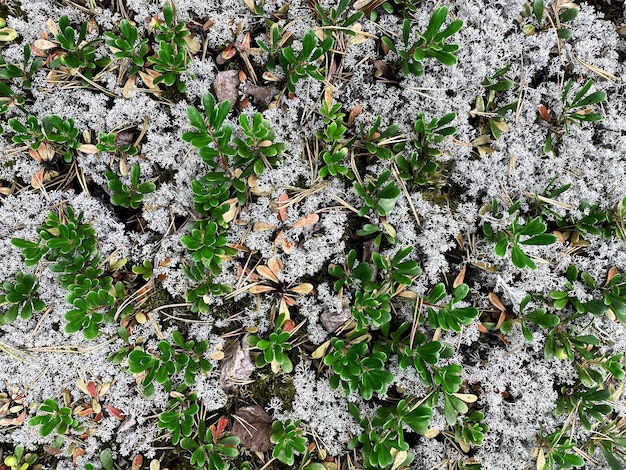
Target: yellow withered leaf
(89, 149)
(320, 351)
(466, 397)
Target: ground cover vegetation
(315, 235)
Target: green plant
(128, 195)
(210, 450)
(68, 241)
(169, 360)
(383, 437)
(287, 438)
(377, 195)
(21, 296)
(180, 414)
(351, 272)
(421, 168)
(145, 270)
(611, 443)
(355, 370)
(128, 45)
(302, 65)
(107, 143)
(586, 402)
(332, 136)
(447, 316)
(170, 62)
(431, 44)
(211, 136)
(169, 30)
(273, 349)
(58, 132)
(79, 53)
(579, 109)
(471, 431)
(533, 232)
(558, 451)
(95, 300)
(335, 16)
(378, 141)
(55, 418)
(206, 241)
(257, 151)
(19, 459)
(559, 13)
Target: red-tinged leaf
(97, 418)
(544, 113)
(307, 221)
(20, 419)
(78, 452)
(137, 462)
(221, 425)
(612, 272)
(481, 328)
(91, 387)
(287, 246)
(114, 411)
(259, 289)
(289, 325)
(282, 206)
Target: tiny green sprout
(379, 195)
(145, 270)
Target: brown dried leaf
(259, 289)
(276, 265)
(261, 94)
(226, 86)
(320, 352)
(496, 302)
(148, 77)
(254, 428)
(45, 45)
(130, 86)
(261, 226)
(304, 288)
(460, 277)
